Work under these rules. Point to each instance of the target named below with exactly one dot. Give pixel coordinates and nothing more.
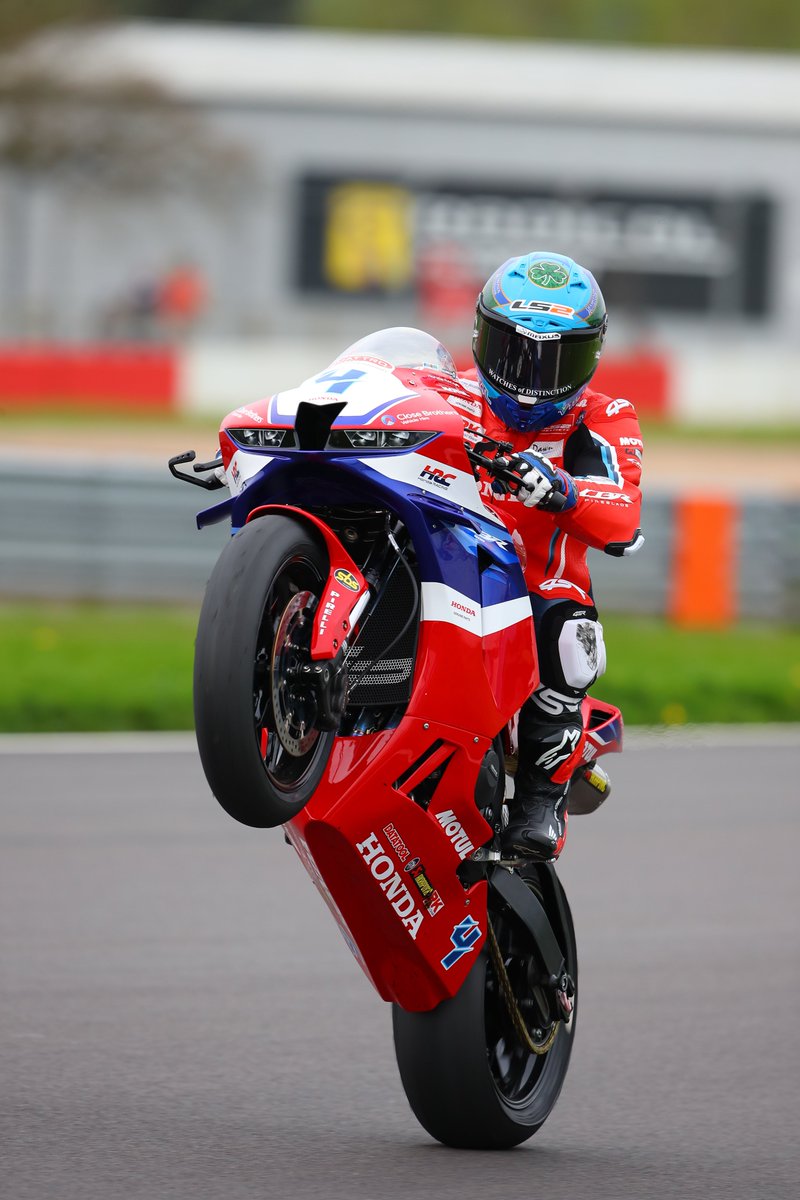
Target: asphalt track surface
(180, 1017)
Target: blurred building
(391, 174)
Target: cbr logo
(616, 406)
(437, 475)
(455, 831)
(594, 494)
(346, 579)
(463, 937)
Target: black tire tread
(444, 1068)
(223, 669)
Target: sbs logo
(346, 579)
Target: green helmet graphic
(546, 274)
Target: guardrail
(128, 533)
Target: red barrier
(642, 377)
(88, 376)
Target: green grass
(53, 419)
(87, 667)
(660, 674)
(90, 667)
(765, 436)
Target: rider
(539, 328)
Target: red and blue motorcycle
(364, 644)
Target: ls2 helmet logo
(463, 937)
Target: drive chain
(510, 999)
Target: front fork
(345, 594)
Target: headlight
(262, 438)
(378, 439)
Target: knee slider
(582, 652)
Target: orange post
(705, 562)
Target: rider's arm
(604, 457)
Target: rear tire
(470, 1080)
(254, 628)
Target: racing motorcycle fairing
(394, 815)
(601, 734)
(345, 593)
(388, 869)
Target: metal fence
(128, 533)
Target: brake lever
(210, 485)
(499, 469)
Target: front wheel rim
(287, 742)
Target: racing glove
(540, 480)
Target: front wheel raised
(256, 721)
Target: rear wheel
(255, 715)
(472, 1080)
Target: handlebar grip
(555, 501)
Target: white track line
(98, 743)
(637, 737)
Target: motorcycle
(364, 645)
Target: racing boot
(538, 822)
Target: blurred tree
(724, 23)
(117, 137)
(21, 18)
(769, 24)
(254, 12)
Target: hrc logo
(437, 475)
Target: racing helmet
(540, 323)
(403, 346)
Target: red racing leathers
(599, 443)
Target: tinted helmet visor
(534, 366)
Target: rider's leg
(569, 641)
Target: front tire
(470, 1080)
(261, 752)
